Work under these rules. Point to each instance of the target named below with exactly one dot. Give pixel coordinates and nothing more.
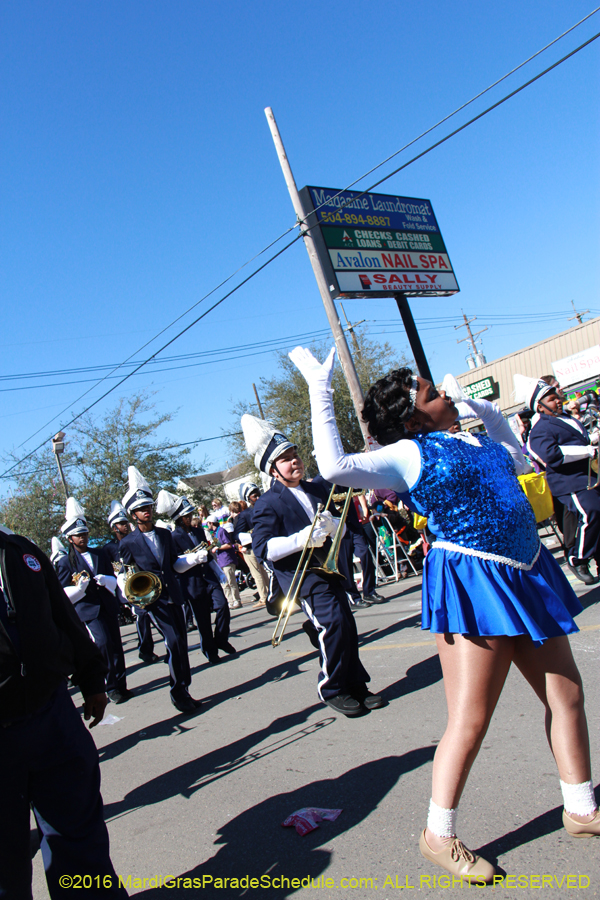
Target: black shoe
(120, 696)
(375, 598)
(360, 604)
(227, 648)
(214, 660)
(580, 570)
(364, 696)
(186, 704)
(346, 704)
(149, 658)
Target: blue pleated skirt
(468, 595)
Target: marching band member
(282, 522)
(200, 584)
(242, 532)
(93, 597)
(119, 524)
(58, 550)
(492, 593)
(561, 443)
(152, 550)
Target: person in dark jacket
(152, 550)
(47, 758)
(119, 524)
(563, 445)
(282, 527)
(94, 597)
(200, 584)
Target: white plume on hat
(5, 529)
(58, 550)
(139, 493)
(75, 522)
(263, 441)
(117, 513)
(173, 505)
(530, 391)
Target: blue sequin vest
(472, 499)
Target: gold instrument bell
(141, 588)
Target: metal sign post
(413, 336)
(343, 351)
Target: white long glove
(121, 579)
(76, 592)
(107, 581)
(315, 374)
(280, 547)
(189, 560)
(329, 523)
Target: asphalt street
(204, 797)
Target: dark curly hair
(387, 404)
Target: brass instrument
(117, 567)
(76, 577)
(141, 588)
(329, 569)
(203, 545)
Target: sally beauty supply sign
(370, 245)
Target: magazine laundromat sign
(371, 245)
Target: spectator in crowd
(226, 557)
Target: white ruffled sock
(579, 798)
(442, 821)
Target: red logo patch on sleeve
(33, 563)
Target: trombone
(298, 577)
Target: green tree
(97, 455)
(285, 401)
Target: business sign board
(577, 367)
(487, 388)
(371, 245)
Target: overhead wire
(290, 244)
(297, 224)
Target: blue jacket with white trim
(563, 445)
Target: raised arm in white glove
(280, 547)
(316, 375)
(189, 560)
(107, 581)
(76, 592)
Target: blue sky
(138, 171)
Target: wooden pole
(260, 409)
(341, 344)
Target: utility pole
(58, 447)
(578, 315)
(350, 329)
(260, 409)
(471, 337)
(341, 344)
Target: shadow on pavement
(193, 775)
(254, 843)
(423, 674)
(542, 825)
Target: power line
(290, 244)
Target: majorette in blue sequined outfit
(487, 573)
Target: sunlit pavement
(203, 797)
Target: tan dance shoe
(458, 860)
(582, 829)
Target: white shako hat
(117, 513)
(173, 506)
(530, 391)
(265, 442)
(247, 488)
(75, 519)
(139, 493)
(58, 550)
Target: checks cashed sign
(578, 367)
(371, 245)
